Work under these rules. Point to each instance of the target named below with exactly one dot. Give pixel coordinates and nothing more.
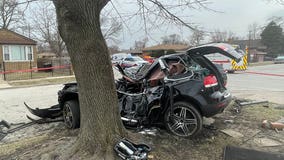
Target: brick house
(162, 49)
(257, 50)
(17, 52)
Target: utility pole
(249, 46)
(29, 29)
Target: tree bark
(79, 27)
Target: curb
(266, 74)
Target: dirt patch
(272, 96)
(206, 146)
(48, 143)
(10, 148)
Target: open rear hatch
(198, 54)
(222, 48)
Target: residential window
(29, 51)
(6, 53)
(17, 53)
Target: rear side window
(129, 59)
(114, 57)
(118, 56)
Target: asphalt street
(259, 82)
(12, 101)
(253, 84)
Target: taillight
(210, 81)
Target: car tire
(71, 114)
(186, 120)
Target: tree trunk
(79, 26)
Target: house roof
(133, 51)
(46, 54)
(254, 51)
(254, 44)
(137, 51)
(176, 47)
(10, 37)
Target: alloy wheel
(67, 115)
(182, 121)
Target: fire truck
(228, 64)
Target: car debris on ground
(266, 142)
(246, 123)
(278, 125)
(149, 131)
(7, 128)
(232, 133)
(237, 153)
(280, 107)
(228, 121)
(128, 150)
(249, 102)
(239, 103)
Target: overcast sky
(229, 15)
(233, 15)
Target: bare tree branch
(196, 38)
(45, 24)
(9, 13)
(119, 15)
(170, 14)
(111, 28)
(280, 2)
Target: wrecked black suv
(174, 92)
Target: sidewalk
(37, 82)
(4, 84)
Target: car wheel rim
(68, 116)
(182, 121)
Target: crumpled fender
(52, 112)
